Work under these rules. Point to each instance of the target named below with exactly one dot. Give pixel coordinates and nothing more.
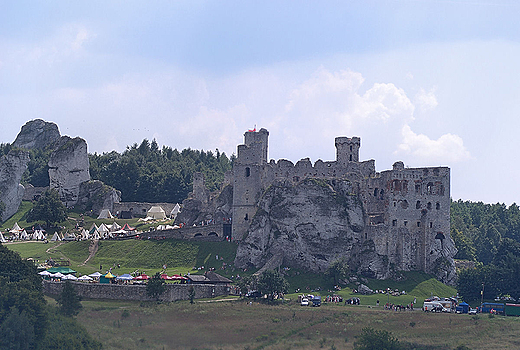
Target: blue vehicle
(495, 308)
(316, 301)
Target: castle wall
(173, 292)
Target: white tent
(95, 235)
(38, 235)
(102, 229)
(105, 214)
(156, 212)
(55, 237)
(24, 235)
(85, 234)
(176, 210)
(70, 277)
(2, 239)
(115, 226)
(96, 274)
(85, 278)
(16, 229)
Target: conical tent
(115, 226)
(105, 214)
(24, 235)
(156, 212)
(95, 235)
(2, 239)
(176, 210)
(102, 229)
(16, 229)
(85, 234)
(55, 237)
(127, 227)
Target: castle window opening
(395, 204)
(429, 188)
(418, 205)
(366, 235)
(382, 193)
(405, 223)
(375, 192)
(404, 204)
(431, 224)
(429, 205)
(248, 172)
(438, 206)
(246, 217)
(350, 158)
(350, 148)
(418, 224)
(394, 222)
(417, 188)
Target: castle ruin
(405, 211)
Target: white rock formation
(37, 134)
(12, 167)
(68, 168)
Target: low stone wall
(173, 292)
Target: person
(377, 302)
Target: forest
(489, 235)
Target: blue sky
(426, 82)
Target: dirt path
(51, 248)
(92, 249)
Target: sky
(426, 82)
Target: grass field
(238, 325)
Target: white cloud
(448, 148)
(425, 101)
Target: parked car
(472, 311)
(305, 302)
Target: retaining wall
(173, 292)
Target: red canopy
(178, 277)
(127, 227)
(142, 277)
(166, 277)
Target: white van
(432, 306)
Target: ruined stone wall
(136, 292)
(141, 208)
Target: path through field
(92, 250)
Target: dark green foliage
(37, 173)
(338, 270)
(69, 301)
(21, 294)
(49, 208)
(64, 333)
(272, 282)
(155, 286)
(489, 234)
(146, 173)
(372, 339)
(17, 331)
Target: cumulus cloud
(425, 101)
(448, 148)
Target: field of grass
(239, 325)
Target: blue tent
(125, 277)
(462, 308)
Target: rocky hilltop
(68, 169)
(37, 133)
(12, 167)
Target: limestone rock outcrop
(12, 167)
(309, 225)
(37, 133)
(68, 168)
(95, 195)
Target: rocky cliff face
(95, 195)
(316, 222)
(12, 167)
(37, 134)
(68, 168)
(309, 226)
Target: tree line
(488, 235)
(143, 172)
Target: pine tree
(69, 300)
